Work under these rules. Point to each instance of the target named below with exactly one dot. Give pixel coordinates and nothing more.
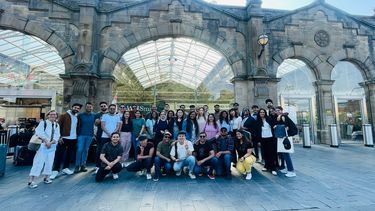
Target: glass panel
(350, 120)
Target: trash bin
(333, 135)
(3, 151)
(367, 135)
(306, 136)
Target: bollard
(367, 135)
(333, 135)
(306, 136)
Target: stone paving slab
(327, 179)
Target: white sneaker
(54, 175)
(148, 176)
(249, 176)
(141, 173)
(67, 171)
(178, 173)
(274, 173)
(32, 185)
(115, 176)
(290, 174)
(191, 175)
(284, 171)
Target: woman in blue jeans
(283, 119)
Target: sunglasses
(202, 136)
(122, 107)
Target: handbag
(34, 143)
(285, 145)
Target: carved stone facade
(92, 35)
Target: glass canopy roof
(180, 60)
(26, 59)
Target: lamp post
(262, 41)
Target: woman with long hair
(175, 124)
(138, 128)
(246, 158)
(190, 125)
(224, 120)
(234, 121)
(201, 119)
(49, 131)
(211, 128)
(150, 122)
(126, 135)
(264, 129)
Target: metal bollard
(306, 136)
(333, 135)
(367, 135)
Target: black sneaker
(76, 170)
(83, 169)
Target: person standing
(85, 131)
(190, 125)
(67, 144)
(160, 126)
(163, 157)
(49, 132)
(145, 152)
(217, 111)
(138, 128)
(211, 129)
(126, 136)
(182, 155)
(110, 157)
(103, 110)
(201, 119)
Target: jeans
(256, 147)
(140, 165)
(100, 144)
(83, 145)
(224, 165)
(189, 161)
(64, 153)
(102, 172)
(288, 160)
(211, 163)
(135, 143)
(126, 143)
(160, 162)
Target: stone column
(369, 87)
(325, 109)
(262, 89)
(243, 92)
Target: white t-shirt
(73, 127)
(235, 123)
(266, 130)
(181, 149)
(111, 122)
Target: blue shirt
(86, 124)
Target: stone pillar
(243, 92)
(262, 89)
(369, 87)
(325, 109)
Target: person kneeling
(246, 158)
(163, 157)
(110, 158)
(181, 154)
(145, 152)
(205, 155)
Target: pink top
(211, 131)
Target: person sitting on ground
(110, 156)
(145, 152)
(163, 157)
(246, 158)
(205, 156)
(181, 154)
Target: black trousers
(269, 146)
(99, 146)
(65, 153)
(102, 172)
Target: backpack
(293, 130)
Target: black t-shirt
(202, 150)
(146, 150)
(242, 148)
(111, 152)
(126, 127)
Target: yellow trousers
(245, 166)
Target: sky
(355, 7)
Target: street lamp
(262, 41)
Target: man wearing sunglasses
(205, 156)
(103, 110)
(163, 157)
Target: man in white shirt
(68, 141)
(181, 154)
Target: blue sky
(355, 7)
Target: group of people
(193, 141)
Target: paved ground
(327, 178)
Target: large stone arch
(308, 55)
(38, 29)
(122, 44)
(364, 63)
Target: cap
(142, 138)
